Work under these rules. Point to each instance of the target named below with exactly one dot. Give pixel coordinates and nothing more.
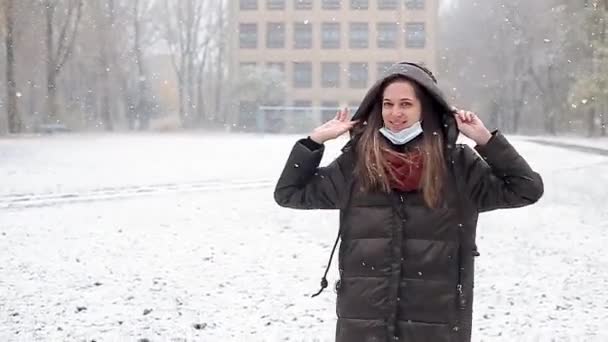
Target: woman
(409, 199)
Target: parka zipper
(397, 253)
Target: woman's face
(400, 106)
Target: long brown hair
(371, 167)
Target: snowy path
(597, 142)
(587, 148)
(197, 250)
(28, 200)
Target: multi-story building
(330, 51)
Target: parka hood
(427, 81)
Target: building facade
(329, 51)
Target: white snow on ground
(599, 142)
(83, 162)
(177, 238)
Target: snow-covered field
(598, 142)
(177, 238)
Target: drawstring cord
(346, 207)
(324, 279)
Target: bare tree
(14, 120)
(103, 14)
(200, 91)
(141, 73)
(591, 89)
(219, 64)
(515, 71)
(551, 70)
(516, 82)
(187, 37)
(59, 46)
(140, 116)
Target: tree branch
(70, 45)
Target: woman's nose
(398, 113)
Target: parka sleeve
(500, 178)
(305, 185)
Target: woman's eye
(387, 105)
(405, 104)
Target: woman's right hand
(333, 128)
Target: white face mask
(404, 136)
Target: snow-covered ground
(177, 238)
(597, 142)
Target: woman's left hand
(472, 127)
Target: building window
(388, 4)
(248, 36)
(302, 74)
(359, 4)
(245, 65)
(302, 4)
(302, 36)
(415, 35)
(414, 4)
(279, 66)
(331, 4)
(246, 68)
(302, 112)
(329, 110)
(275, 4)
(275, 35)
(247, 5)
(302, 103)
(359, 36)
(330, 74)
(330, 35)
(387, 35)
(383, 68)
(357, 75)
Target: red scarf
(404, 169)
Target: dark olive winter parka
(406, 271)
